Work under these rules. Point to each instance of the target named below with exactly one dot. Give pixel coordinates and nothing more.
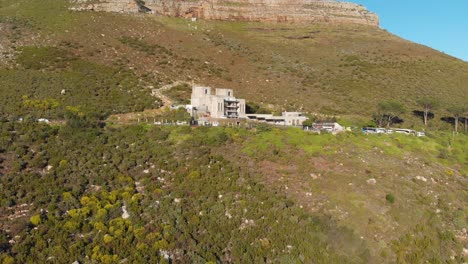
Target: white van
(380, 130)
(405, 131)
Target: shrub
(390, 198)
(263, 128)
(35, 220)
(7, 259)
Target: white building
(286, 119)
(222, 104)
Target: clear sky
(442, 25)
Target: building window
(206, 91)
(229, 93)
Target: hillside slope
(333, 69)
(80, 189)
(144, 193)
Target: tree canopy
(388, 111)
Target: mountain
(342, 69)
(83, 185)
(289, 11)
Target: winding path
(149, 113)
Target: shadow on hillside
(462, 122)
(448, 119)
(397, 120)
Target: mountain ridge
(272, 11)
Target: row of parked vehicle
(176, 123)
(366, 130)
(185, 123)
(381, 130)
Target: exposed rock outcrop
(293, 11)
(120, 6)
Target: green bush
(390, 198)
(35, 220)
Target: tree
(310, 120)
(428, 104)
(388, 111)
(456, 112)
(255, 108)
(465, 118)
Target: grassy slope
(304, 191)
(182, 199)
(328, 174)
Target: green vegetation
(183, 189)
(390, 198)
(454, 149)
(388, 113)
(255, 108)
(93, 191)
(44, 58)
(457, 112)
(422, 241)
(180, 94)
(51, 81)
(310, 167)
(142, 46)
(428, 104)
(188, 198)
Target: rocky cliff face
(293, 11)
(121, 6)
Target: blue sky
(442, 25)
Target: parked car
(405, 131)
(420, 134)
(380, 130)
(43, 120)
(369, 130)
